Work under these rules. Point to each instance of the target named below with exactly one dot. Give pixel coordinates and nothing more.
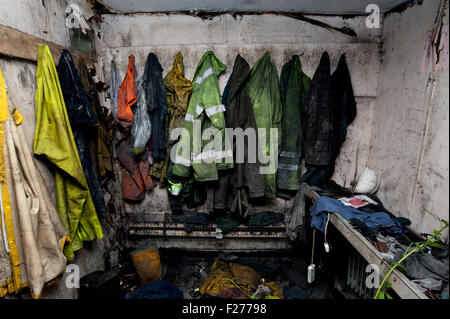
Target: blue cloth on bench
(375, 221)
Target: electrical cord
(326, 228)
(313, 244)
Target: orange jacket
(127, 93)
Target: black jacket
(82, 117)
(319, 116)
(331, 107)
(155, 95)
(244, 178)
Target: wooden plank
(400, 283)
(213, 244)
(21, 45)
(205, 234)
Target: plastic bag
(114, 88)
(141, 128)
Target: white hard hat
(368, 182)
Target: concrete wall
(46, 20)
(251, 36)
(401, 129)
(410, 146)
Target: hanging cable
(327, 247)
(312, 267)
(313, 244)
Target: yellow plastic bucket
(147, 264)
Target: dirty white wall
(251, 36)
(44, 19)
(411, 115)
(401, 130)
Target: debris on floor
(226, 276)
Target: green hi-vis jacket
(294, 86)
(264, 91)
(53, 139)
(205, 110)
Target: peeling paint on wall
(411, 141)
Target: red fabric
(132, 189)
(136, 180)
(144, 169)
(127, 94)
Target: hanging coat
(155, 95)
(135, 178)
(37, 221)
(319, 116)
(244, 180)
(327, 121)
(56, 143)
(126, 99)
(344, 104)
(264, 93)
(82, 118)
(100, 141)
(205, 108)
(141, 129)
(178, 91)
(294, 87)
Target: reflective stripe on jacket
(294, 87)
(206, 108)
(245, 178)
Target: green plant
(237, 286)
(383, 293)
(433, 241)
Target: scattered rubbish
(100, 285)
(357, 201)
(227, 275)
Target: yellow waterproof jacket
(178, 92)
(54, 140)
(195, 152)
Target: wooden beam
(400, 283)
(212, 244)
(21, 45)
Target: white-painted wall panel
(411, 141)
(251, 36)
